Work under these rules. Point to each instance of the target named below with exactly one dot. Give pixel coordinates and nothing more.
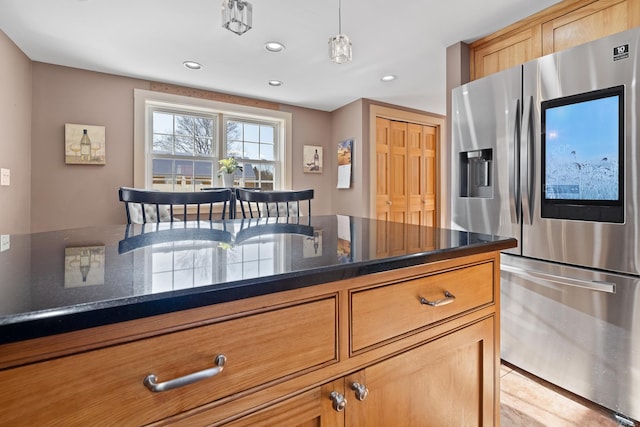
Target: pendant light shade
(340, 45)
(340, 49)
(236, 16)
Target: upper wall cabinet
(506, 52)
(564, 25)
(591, 22)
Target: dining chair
(143, 206)
(273, 203)
(232, 203)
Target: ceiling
(150, 39)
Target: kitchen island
(327, 320)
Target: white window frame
(142, 130)
(153, 107)
(278, 164)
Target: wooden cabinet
(446, 382)
(389, 311)
(449, 381)
(507, 52)
(313, 408)
(564, 25)
(590, 22)
(107, 384)
(423, 340)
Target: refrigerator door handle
(527, 161)
(514, 164)
(593, 285)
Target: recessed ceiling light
(274, 46)
(275, 83)
(192, 65)
(388, 78)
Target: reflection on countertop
(65, 280)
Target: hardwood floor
(527, 401)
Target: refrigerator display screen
(582, 156)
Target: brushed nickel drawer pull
(448, 299)
(151, 384)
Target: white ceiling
(150, 39)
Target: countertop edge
(111, 312)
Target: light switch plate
(5, 242)
(5, 177)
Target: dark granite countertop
(67, 280)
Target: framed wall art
(84, 144)
(312, 156)
(345, 149)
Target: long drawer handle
(593, 285)
(151, 384)
(448, 299)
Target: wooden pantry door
(421, 177)
(383, 153)
(406, 172)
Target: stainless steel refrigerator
(549, 153)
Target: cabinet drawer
(385, 312)
(107, 384)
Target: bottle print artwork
(85, 146)
(312, 159)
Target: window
(182, 150)
(177, 144)
(254, 142)
(179, 140)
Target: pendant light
(340, 45)
(236, 16)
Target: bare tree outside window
(234, 139)
(253, 143)
(194, 135)
(185, 151)
(184, 148)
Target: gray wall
(347, 123)
(65, 196)
(15, 137)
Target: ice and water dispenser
(475, 173)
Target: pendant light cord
(339, 16)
